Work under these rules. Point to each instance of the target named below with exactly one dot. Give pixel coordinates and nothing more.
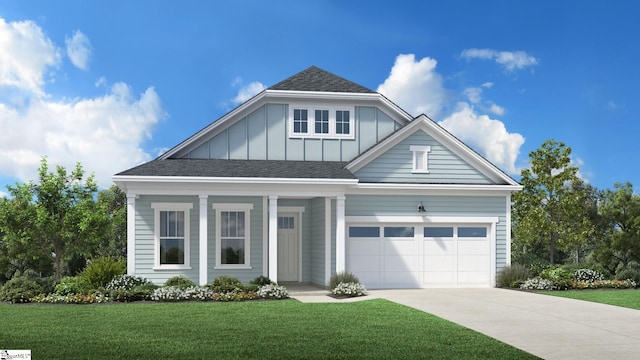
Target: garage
(420, 255)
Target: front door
(288, 247)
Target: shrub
(127, 282)
(537, 283)
(101, 271)
(226, 284)
(72, 285)
(20, 290)
(174, 293)
(514, 274)
(94, 298)
(560, 277)
(587, 275)
(629, 274)
(349, 289)
(342, 277)
(261, 281)
(272, 291)
(605, 284)
(180, 281)
(137, 293)
(588, 265)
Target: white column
(327, 241)
(340, 231)
(131, 234)
(204, 240)
(273, 238)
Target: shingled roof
(242, 168)
(316, 79)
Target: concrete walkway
(547, 326)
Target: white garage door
(414, 256)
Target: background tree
(114, 241)
(551, 212)
(620, 209)
(56, 217)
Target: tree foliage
(552, 211)
(56, 217)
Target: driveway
(547, 326)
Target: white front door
(288, 247)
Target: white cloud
(3, 194)
(103, 133)
(474, 94)
(246, 92)
(415, 86)
(102, 81)
(490, 137)
(79, 50)
(25, 55)
(510, 60)
(487, 85)
(496, 109)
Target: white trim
(340, 235)
(203, 236)
(273, 238)
(265, 236)
(492, 255)
(413, 219)
(131, 234)
(327, 241)
(420, 166)
(231, 180)
(508, 231)
(239, 207)
(291, 209)
(158, 207)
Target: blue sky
(111, 84)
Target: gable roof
(316, 79)
(441, 135)
(220, 168)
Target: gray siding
(396, 164)
(317, 246)
(264, 135)
(450, 206)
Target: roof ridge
(314, 78)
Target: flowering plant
(350, 289)
(272, 291)
(537, 283)
(126, 282)
(587, 275)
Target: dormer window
(420, 158)
(313, 121)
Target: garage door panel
(439, 263)
(405, 278)
(364, 263)
(438, 247)
(472, 278)
(369, 279)
(478, 246)
(400, 263)
(394, 247)
(369, 247)
(472, 263)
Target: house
(317, 175)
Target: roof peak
(315, 79)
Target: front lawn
(629, 298)
(284, 329)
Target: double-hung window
(171, 233)
(343, 124)
(322, 121)
(300, 121)
(233, 235)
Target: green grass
(284, 329)
(629, 298)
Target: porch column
(131, 234)
(327, 241)
(273, 238)
(203, 236)
(340, 231)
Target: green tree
(114, 241)
(56, 217)
(620, 210)
(551, 211)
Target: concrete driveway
(547, 326)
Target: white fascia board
(417, 219)
(231, 180)
(433, 189)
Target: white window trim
(219, 208)
(424, 150)
(311, 121)
(158, 207)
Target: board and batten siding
(436, 206)
(444, 166)
(264, 135)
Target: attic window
(319, 121)
(420, 158)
